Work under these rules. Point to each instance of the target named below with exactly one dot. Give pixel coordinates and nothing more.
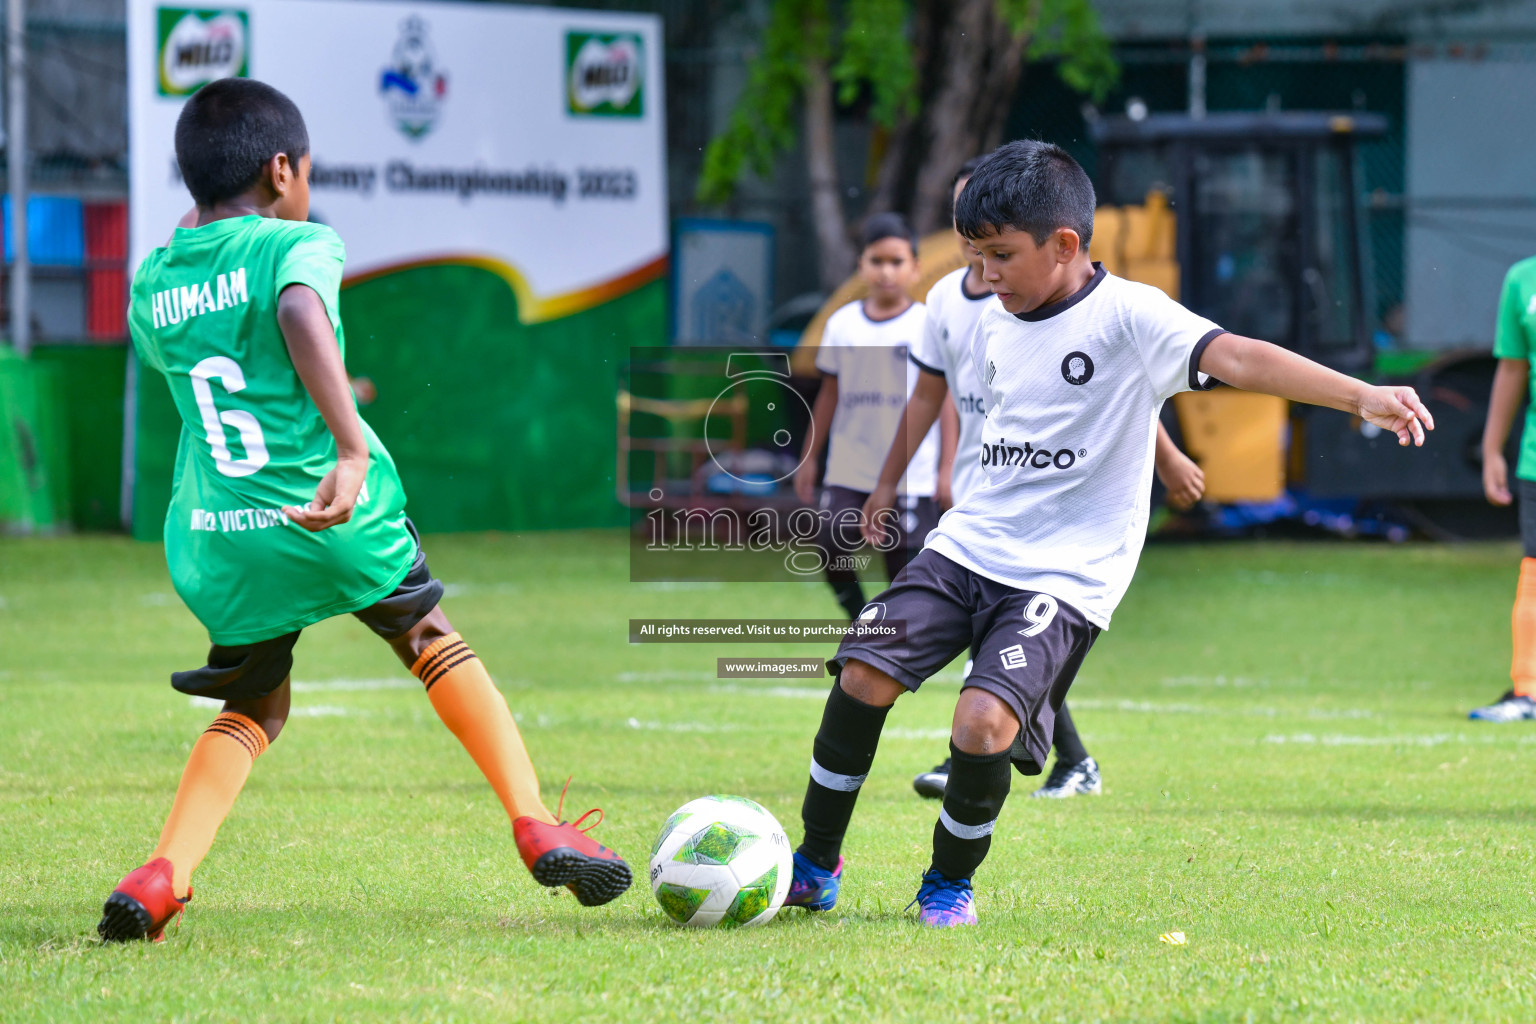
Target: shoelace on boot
(945, 893)
(560, 811)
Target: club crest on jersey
(1077, 368)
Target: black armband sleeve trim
(1194, 361)
(925, 367)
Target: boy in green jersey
(1514, 345)
(286, 509)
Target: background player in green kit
(286, 509)
(1514, 345)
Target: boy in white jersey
(955, 305)
(867, 376)
(1075, 365)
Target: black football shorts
(1525, 492)
(251, 671)
(1027, 647)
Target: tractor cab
(1268, 238)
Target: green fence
(61, 438)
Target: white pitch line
(349, 685)
(1147, 707)
(635, 723)
(320, 711)
(789, 692)
(662, 676)
(919, 734)
(1430, 740)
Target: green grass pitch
(1291, 782)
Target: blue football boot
(812, 886)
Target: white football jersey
(945, 349)
(875, 374)
(1073, 392)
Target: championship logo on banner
(198, 46)
(413, 85)
(498, 176)
(604, 74)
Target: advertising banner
(498, 177)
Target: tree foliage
(766, 119)
(872, 50)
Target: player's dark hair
(1027, 186)
(966, 170)
(888, 225)
(229, 130)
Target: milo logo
(199, 46)
(604, 74)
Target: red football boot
(565, 855)
(141, 905)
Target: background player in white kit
(955, 305)
(1075, 365)
(866, 378)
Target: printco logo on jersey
(604, 74)
(999, 454)
(198, 46)
(413, 85)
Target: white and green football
(721, 861)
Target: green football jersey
(204, 313)
(1512, 339)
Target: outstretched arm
(1269, 369)
(312, 346)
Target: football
(721, 861)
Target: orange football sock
(220, 763)
(1522, 669)
(473, 709)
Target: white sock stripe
(832, 780)
(960, 831)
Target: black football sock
(849, 594)
(978, 785)
(844, 750)
(1068, 744)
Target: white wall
(1127, 20)
(1471, 137)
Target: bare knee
(869, 685)
(269, 712)
(983, 723)
(410, 647)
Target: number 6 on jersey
(251, 437)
